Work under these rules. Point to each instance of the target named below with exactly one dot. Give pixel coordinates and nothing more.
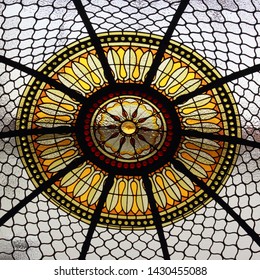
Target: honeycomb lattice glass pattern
(129, 129)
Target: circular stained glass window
(128, 131)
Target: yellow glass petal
(61, 98)
(83, 75)
(74, 175)
(196, 102)
(163, 72)
(204, 144)
(97, 75)
(127, 198)
(136, 73)
(178, 76)
(141, 197)
(158, 193)
(200, 156)
(50, 122)
(55, 152)
(94, 195)
(178, 177)
(80, 188)
(145, 64)
(59, 164)
(113, 197)
(189, 86)
(50, 139)
(114, 62)
(96, 179)
(65, 118)
(122, 71)
(195, 168)
(130, 63)
(55, 109)
(203, 114)
(95, 182)
(204, 127)
(69, 81)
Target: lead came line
(156, 217)
(96, 216)
(225, 138)
(43, 187)
(165, 42)
(219, 82)
(44, 78)
(180, 167)
(95, 41)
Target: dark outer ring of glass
(103, 94)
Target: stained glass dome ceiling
(129, 138)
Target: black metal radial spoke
(95, 41)
(156, 217)
(44, 78)
(43, 187)
(224, 138)
(95, 218)
(179, 166)
(165, 42)
(40, 131)
(219, 82)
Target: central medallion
(127, 130)
(128, 127)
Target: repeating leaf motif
(56, 109)
(57, 151)
(127, 65)
(178, 179)
(84, 75)
(127, 195)
(84, 182)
